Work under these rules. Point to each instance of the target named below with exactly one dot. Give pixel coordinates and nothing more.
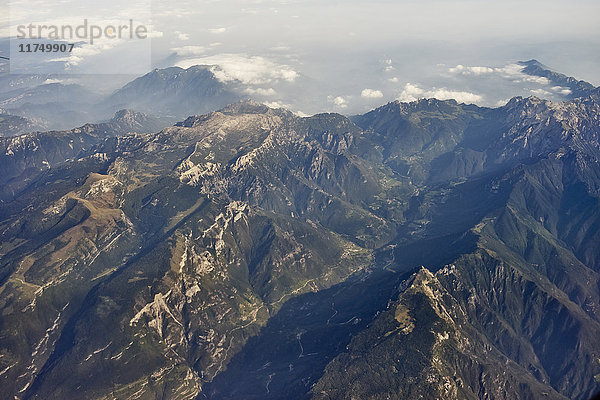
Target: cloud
(154, 34)
(413, 92)
(187, 51)
(513, 72)
(389, 65)
(394, 79)
(461, 69)
(371, 94)
(535, 79)
(301, 114)
(562, 90)
(250, 70)
(277, 104)
(217, 31)
(338, 101)
(261, 91)
(182, 36)
(90, 56)
(511, 79)
(280, 48)
(80, 53)
(540, 92)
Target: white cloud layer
(540, 93)
(261, 91)
(413, 92)
(250, 70)
(461, 69)
(338, 101)
(513, 72)
(561, 90)
(371, 94)
(187, 51)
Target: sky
(344, 56)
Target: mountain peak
(133, 121)
(574, 88)
(174, 92)
(533, 63)
(127, 115)
(245, 107)
(234, 109)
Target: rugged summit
(248, 253)
(173, 91)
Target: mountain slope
(173, 92)
(24, 158)
(252, 254)
(11, 125)
(51, 105)
(509, 305)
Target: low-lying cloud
(249, 70)
(413, 92)
(338, 101)
(461, 69)
(265, 92)
(371, 94)
(514, 72)
(187, 51)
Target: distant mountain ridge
(578, 88)
(11, 125)
(174, 91)
(171, 93)
(25, 157)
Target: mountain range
(51, 102)
(171, 94)
(421, 250)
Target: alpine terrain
(423, 250)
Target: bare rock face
(421, 250)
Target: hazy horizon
(351, 56)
